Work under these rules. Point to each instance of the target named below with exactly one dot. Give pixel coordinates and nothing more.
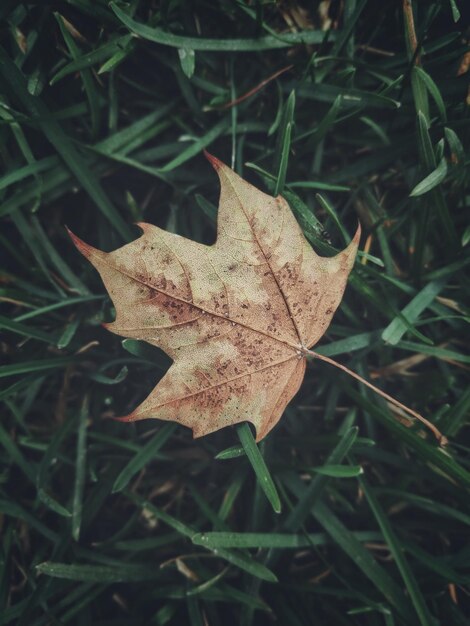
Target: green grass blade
(431, 181)
(428, 452)
(25, 330)
(339, 471)
(241, 560)
(271, 540)
(107, 51)
(143, 457)
(259, 466)
(433, 91)
(284, 142)
(160, 36)
(230, 453)
(33, 366)
(197, 146)
(99, 573)
(15, 455)
(52, 130)
(363, 559)
(52, 504)
(300, 512)
(396, 329)
(80, 469)
(87, 77)
(422, 611)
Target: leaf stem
(436, 432)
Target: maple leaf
(237, 317)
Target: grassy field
(348, 513)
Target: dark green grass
(105, 110)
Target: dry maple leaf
(237, 317)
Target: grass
(347, 513)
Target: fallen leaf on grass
(237, 317)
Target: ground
(353, 111)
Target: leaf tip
(349, 253)
(357, 234)
(81, 246)
(351, 250)
(125, 418)
(214, 161)
(133, 416)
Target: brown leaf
(236, 317)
